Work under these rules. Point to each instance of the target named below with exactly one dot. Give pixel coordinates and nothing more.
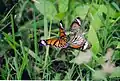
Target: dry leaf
(109, 54)
(108, 67)
(99, 75)
(83, 57)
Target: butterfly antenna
(61, 24)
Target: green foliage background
(28, 21)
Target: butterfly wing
(61, 30)
(75, 24)
(60, 42)
(79, 42)
(77, 39)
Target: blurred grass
(30, 21)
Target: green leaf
(59, 16)
(118, 46)
(81, 11)
(3, 47)
(92, 37)
(98, 9)
(63, 5)
(57, 76)
(116, 73)
(46, 7)
(116, 6)
(96, 21)
(110, 11)
(94, 8)
(102, 8)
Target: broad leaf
(59, 16)
(63, 5)
(46, 8)
(96, 21)
(92, 37)
(81, 11)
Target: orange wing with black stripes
(60, 42)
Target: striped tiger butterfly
(77, 39)
(59, 42)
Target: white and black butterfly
(77, 39)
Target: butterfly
(60, 42)
(77, 39)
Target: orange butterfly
(77, 39)
(60, 42)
